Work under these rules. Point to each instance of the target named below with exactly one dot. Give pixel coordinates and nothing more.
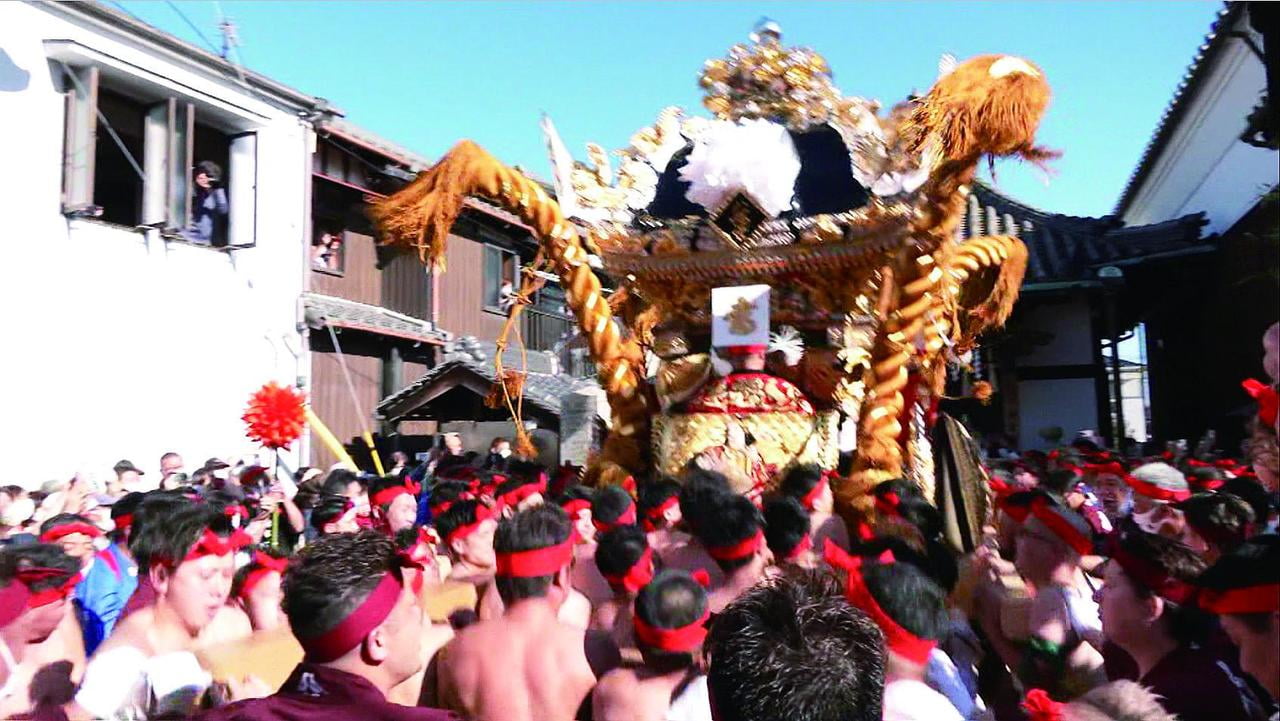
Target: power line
(213, 48)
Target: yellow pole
(329, 440)
(373, 451)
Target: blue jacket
(102, 594)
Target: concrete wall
(1070, 403)
(118, 344)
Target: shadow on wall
(13, 79)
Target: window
(501, 274)
(137, 157)
(328, 247)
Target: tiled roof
(343, 313)
(1217, 38)
(541, 389)
(1071, 248)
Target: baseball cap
(125, 466)
(215, 464)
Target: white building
(122, 338)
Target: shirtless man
(670, 624)
(698, 502)
(736, 542)
(809, 486)
(786, 531)
(526, 665)
(624, 557)
(659, 509)
(467, 529)
(48, 577)
(577, 502)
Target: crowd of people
(479, 586)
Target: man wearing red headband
(466, 530)
(670, 624)
(811, 486)
(1156, 487)
(1108, 481)
(1149, 609)
(736, 541)
(354, 608)
(147, 668)
(334, 514)
(526, 665)
(39, 580)
(256, 589)
(395, 501)
(1243, 588)
(624, 557)
(1215, 523)
(786, 531)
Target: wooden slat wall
(361, 281)
(406, 287)
(461, 295)
(332, 402)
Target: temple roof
(1067, 248)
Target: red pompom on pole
(276, 416)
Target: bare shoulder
(619, 682)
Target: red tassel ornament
(276, 416)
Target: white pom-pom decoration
(755, 156)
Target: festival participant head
(1154, 485)
(500, 447)
(350, 607)
(907, 606)
(190, 562)
(1115, 701)
(1243, 588)
(1215, 523)
(467, 530)
(122, 514)
(128, 477)
(576, 501)
(736, 537)
(73, 533)
(786, 531)
(1108, 481)
(1203, 479)
(700, 495)
(658, 504)
(810, 486)
(396, 502)
(342, 482)
(625, 559)
(534, 551)
(334, 514)
(49, 576)
(521, 491)
(1050, 542)
(793, 648)
(1148, 597)
(670, 621)
(256, 588)
(170, 463)
(399, 459)
(1251, 492)
(453, 444)
(612, 507)
(445, 493)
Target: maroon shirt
(319, 693)
(1196, 684)
(144, 595)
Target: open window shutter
(180, 165)
(155, 160)
(80, 139)
(242, 191)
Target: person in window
(209, 207)
(326, 251)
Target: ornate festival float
(787, 282)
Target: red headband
(336, 516)
(575, 506)
(805, 543)
(35, 574)
(626, 518)
(514, 496)
(636, 577)
(1263, 598)
(888, 502)
(1267, 398)
(1114, 468)
(350, 631)
(811, 497)
(265, 566)
(537, 562)
(739, 550)
(653, 516)
(67, 529)
(483, 513)
(1151, 490)
(235, 512)
(684, 639)
(211, 544)
(123, 521)
(898, 639)
(422, 552)
(1152, 577)
(1049, 516)
(1040, 707)
(388, 495)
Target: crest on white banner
(740, 316)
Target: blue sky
(425, 74)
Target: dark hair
(447, 492)
(793, 648)
(126, 505)
(908, 597)
(337, 481)
(527, 471)
(37, 555)
(1056, 483)
(333, 576)
(382, 483)
(937, 561)
(461, 513)
(904, 489)
(328, 508)
(618, 549)
(156, 506)
(62, 519)
(671, 600)
(1186, 623)
(167, 538)
(1200, 478)
(512, 484)
(576, 492)
(609, 503)
(786, 523)
(1251, 492)
(800, 480)
(1220, 518)
(736, 520)
(533, 528)
(209, 168)
(1256, 562)
(653, 494)
(242, 573)
(702, 489)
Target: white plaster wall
(1204, 166)
(1068, 403)
(115, 343)
(1070, 324)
